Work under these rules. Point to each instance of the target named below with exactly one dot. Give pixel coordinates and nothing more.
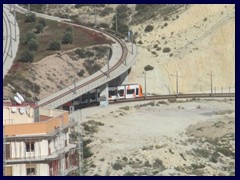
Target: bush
(106, 11)
(158, 164)
(165, 18)
(104, 25)
(89, 54)
(148, 28)
(29, 36)
(117, 166)
(81, 73)
(27, 56)
(225, 151)
(32, 45)
(87, 152)
(148, 68)
(67, 38)
(166, 49)
(54, 45)
(80, 53)
(39, 28)
(30, 18)
(42, 21)
(123, 8)
(125, 158)
(69, 29)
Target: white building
(37, 141)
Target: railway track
(180, 96)
(120, 61)
(160, 97)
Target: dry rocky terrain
(187, 137)
(199, 39)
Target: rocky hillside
(190, 39)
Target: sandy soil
(201, 40)
(162, 139)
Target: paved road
(10, 38)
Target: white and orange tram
(125, 91)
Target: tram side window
(112, 93)
(137, 91)
(130, 91)
(121, 92)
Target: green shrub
(81, 73)
(69, 29)
(39, 28)
(147, 164)
(32, 45)
(158, 164)
(87, 152)
(126, 108)
(166, 49)
(106, 11)
(104, 25)
(54, 45)
(29, 36)
(42, 21)
(67, 38)
(129, 174)
(117, 166)
(27, 56)
(148, 28)
(125, 159)
(30, 18)
(225, 151)
(89, 54)
(80, 53)
(165, 18)
(148, 68)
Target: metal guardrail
(96, 79)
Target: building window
(31, 169)
(29, 147)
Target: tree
(27, 56)
(32, 45)
(69, 29)
(42, 21)
(39, 28)
(30, 18)
(54, 45)
(67, 38)
(29, 36)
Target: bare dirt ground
(162, 138)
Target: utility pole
(60, 146)
(211, 82)
(116, 23)
(176, 82)
(28, 8)
(4, 152)
(145, 83)
(80, 141)
(95, 15)
(108, 74)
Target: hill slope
(201, 40)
